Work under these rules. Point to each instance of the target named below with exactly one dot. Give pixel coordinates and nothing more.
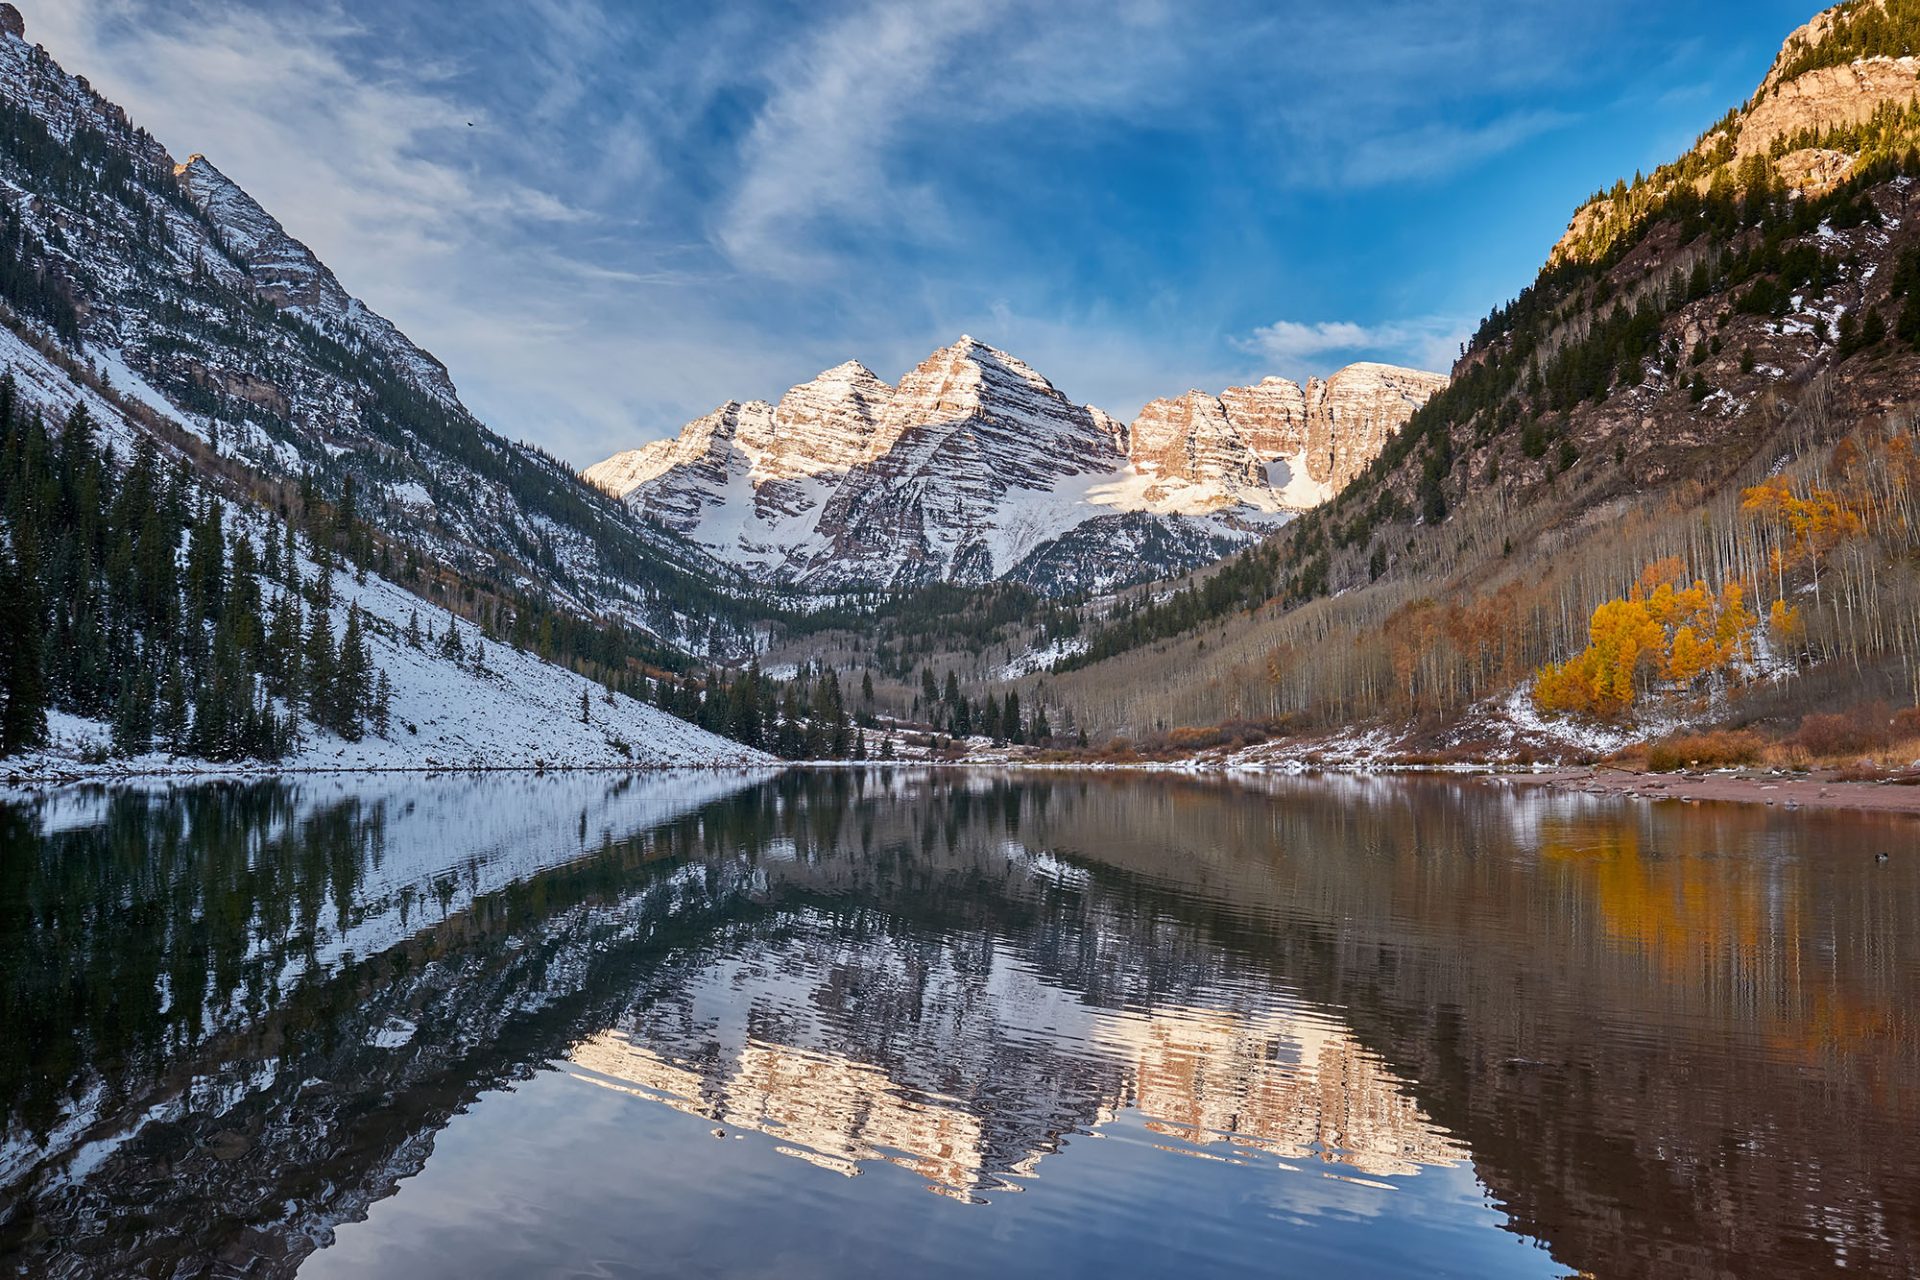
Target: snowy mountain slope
(498, 708)
(975, 468)
(287, 273)
(171, 273)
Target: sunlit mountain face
(385, 1027)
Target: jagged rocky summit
(976, 468)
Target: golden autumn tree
(1664, 630)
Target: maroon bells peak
(975, 468)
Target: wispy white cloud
(356, 152)
(1430, 342)
(816, 150)
(392, 173)
(823, 163)
(1434, 149)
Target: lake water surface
(952, 1024)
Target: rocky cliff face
(978, 440)
(1811, 90)
(975, 467)
(1277, 445)
(1353, 413)
(286, 273)
(1824, 99)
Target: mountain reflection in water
(1288, 1085)
(1528, 1033)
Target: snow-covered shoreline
(39, 777)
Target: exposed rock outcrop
(1190, 442)
(1798, 100)
(1825, 99)
(1361, 406)
(1325, 432)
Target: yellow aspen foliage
(1817, 521)
(1733, 625)
(1690, 657)
(1786, 625)
(1665, 629)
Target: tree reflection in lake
(1672, 1040)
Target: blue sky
(609, 217)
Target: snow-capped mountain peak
(975, 466)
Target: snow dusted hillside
(515, 711)
(287, 273)
(507, 710)
(976, 468)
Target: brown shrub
(1850, 733)
(1715, 749)
(1231, 734)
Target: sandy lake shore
(1788, 791)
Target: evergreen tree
(345, 518)
(23, 686)
(382, 705)
(290, 560)
(172, 726)
(206, 564)
(353, 684)
(790, 738)
(320, 666)
(743, 712)
(280, 662)
(1873, 330)
(321, 592)
(132, 728)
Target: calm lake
(952, 1024)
